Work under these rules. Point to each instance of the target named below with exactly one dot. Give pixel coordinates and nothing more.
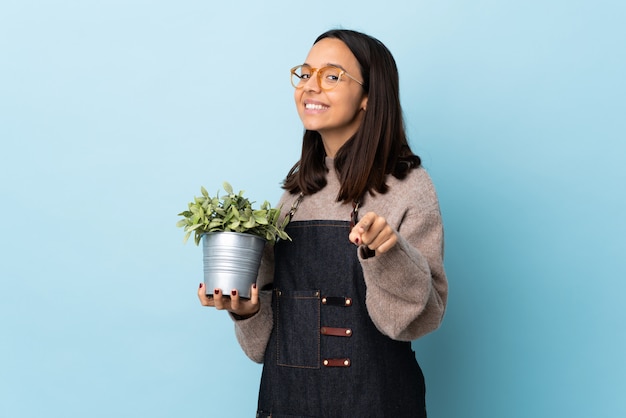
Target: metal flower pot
(231, 261)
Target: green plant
(231, 212)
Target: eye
(332, 74)
(304, 73)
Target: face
(336, 114)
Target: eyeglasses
(327, 77)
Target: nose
(312, 84)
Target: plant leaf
(249, 223)
(231, 212)
(261, 217)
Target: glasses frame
(319, 72)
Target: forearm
(253, 333)
(406, 286)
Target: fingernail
(358, 241)
(233, 292)
(216, 291)
(254, 285)
(200, 287)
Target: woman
(334, 310)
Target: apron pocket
(298, 328)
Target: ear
(364, 103)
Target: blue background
(113, 114)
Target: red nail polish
(200, 287)
(216, 291)
(254, 285)
(233, 292)
(358, 241)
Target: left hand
(233, 303)
(374, 232)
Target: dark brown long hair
(378, 148)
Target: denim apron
(325, 357)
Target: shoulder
(413, 197)
(287, 200)
(416, 189)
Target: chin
(312, 126)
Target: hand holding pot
(242, 307)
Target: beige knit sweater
(407, 287)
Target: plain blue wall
(113, 114)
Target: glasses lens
(330, 77)
(300, 75)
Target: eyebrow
(326, 65)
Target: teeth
(314, 106)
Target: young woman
(334, 310)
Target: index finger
(366, 221)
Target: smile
(311, 106)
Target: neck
(334, 139)
(332, 143)
(331, 149)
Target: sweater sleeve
(253, 333)
(407, 288)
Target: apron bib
(325, 357)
